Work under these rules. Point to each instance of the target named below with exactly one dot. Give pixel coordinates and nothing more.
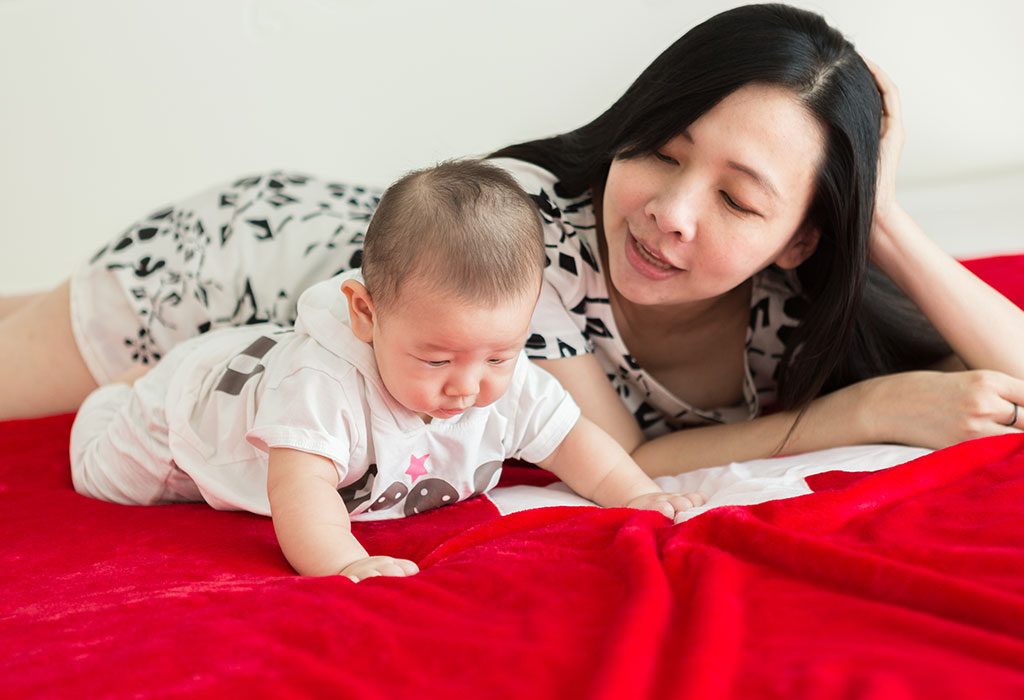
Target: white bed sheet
(736, 484)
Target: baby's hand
(379, 566)
(668, 504)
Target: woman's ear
(361, 312)
(800, 247)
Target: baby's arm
(596, 467)
(312, 524)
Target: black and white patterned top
(244, 252)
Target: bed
(874, 571)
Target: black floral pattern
(237, 254)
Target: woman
(709, 238)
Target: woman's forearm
(984, 328)
(830, 421)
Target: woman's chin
(639, 290)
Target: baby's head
(452, 261)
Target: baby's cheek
(492, 392)
(422, 394)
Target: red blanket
(904, 583)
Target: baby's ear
(361, 312)
(800, 247)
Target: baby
(401, 392)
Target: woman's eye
(665, 158)
(732, 204)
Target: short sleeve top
(237, 392)
(574, 316)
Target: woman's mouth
(646, 262)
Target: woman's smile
(647, 262)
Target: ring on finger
(1013, 420)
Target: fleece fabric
(903, 583)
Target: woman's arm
(831, 421)
(584, 379)
(927, 408)
(984, 329)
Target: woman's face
(719, 202)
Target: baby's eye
(436, 363)
(498, 360)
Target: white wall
(109, 108)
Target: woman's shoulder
(530, 176)
(777, 305)
(542, 187)
(569, 223)
(572, 271)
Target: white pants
(119, 450)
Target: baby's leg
(118, 454)
(41, 369)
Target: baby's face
(439, 359)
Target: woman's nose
(674, 211)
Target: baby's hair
(463, 229)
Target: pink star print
(416, 468)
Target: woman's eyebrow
(762, 180)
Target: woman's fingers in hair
(892, 110)
(890, 144)
(886, 87)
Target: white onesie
(230, 395)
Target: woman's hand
(963, 309)
(890, 148)
(938, 409)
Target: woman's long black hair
(855, 324)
